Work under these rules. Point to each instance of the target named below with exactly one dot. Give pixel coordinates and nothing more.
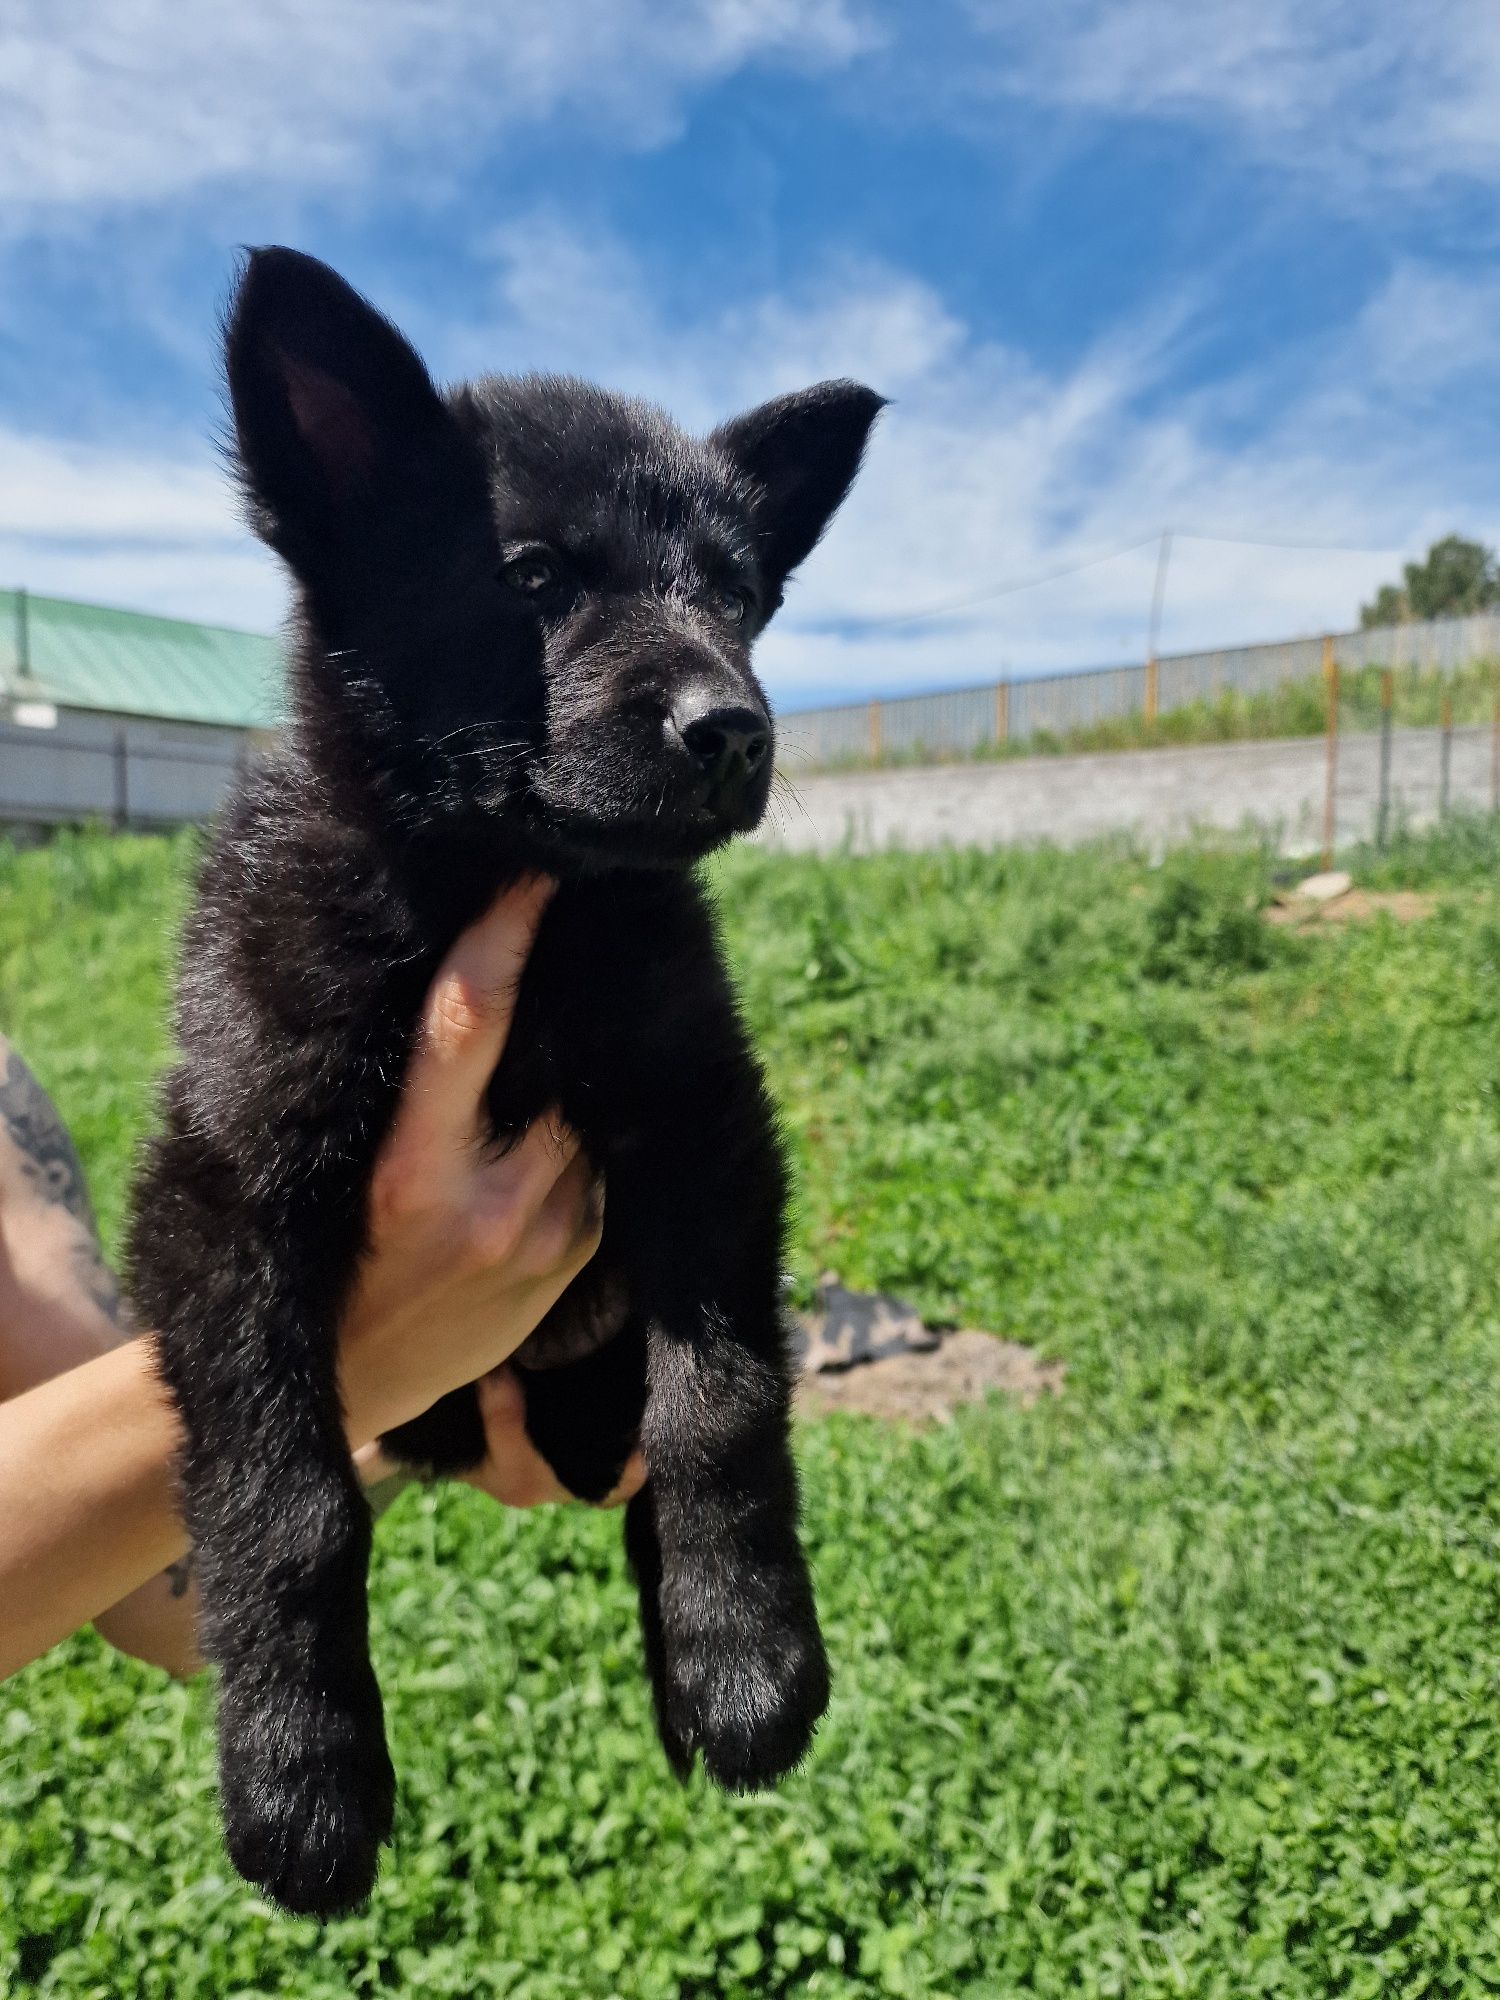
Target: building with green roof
(123, 715)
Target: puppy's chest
(597, 1019)
(546, 1067)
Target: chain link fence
(1247, 691)
(1408, 745)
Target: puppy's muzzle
(726, 743)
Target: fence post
(1002, 711)
(1158, 599)
(23, 634)
(1383, 808)
(1331, 773)
(874, 732)
(122, 780)
(1445, 754)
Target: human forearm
(88, 1512)
(87, 1503)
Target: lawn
(1187, 1682)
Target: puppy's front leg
(732, 1641)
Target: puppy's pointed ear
(800, 453)
(329, 401)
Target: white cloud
(147, 531)
(987, 468)
(105, 102)
(1428, 332)
(51, 488)
(1360, 96)
(990, 468)
(214, 583)
(575, 303)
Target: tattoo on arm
(180, 1574)
(50, 1164)
(99, 1281)
(49, 1159)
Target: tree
(1458, 576)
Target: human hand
(512, 1471)
(468, 1249)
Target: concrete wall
(1162, 796)
(118, 768)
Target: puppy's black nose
(727, 743)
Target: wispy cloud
(55, 489)
(149, 530)
(1359, 97)
(989, 468)
(1000, 458)
(107, 102)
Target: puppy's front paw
(308, 1795)
(746, 1690)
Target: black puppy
(525, 611)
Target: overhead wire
(1013, 589)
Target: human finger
(511, 1191)
(465, 1021)
(564, 1230)
(514, 1471)
(632, 1478)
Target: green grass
(1299, 708)
(1187, 1683)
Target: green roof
(128, 662)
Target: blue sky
(1121, 265)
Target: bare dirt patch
(871, 1354)
(1404, 906)
(926, 1388)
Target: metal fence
(126, 773)
(972, 721)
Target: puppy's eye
(732, 603)
(533, 574)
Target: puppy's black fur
(525, 610)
